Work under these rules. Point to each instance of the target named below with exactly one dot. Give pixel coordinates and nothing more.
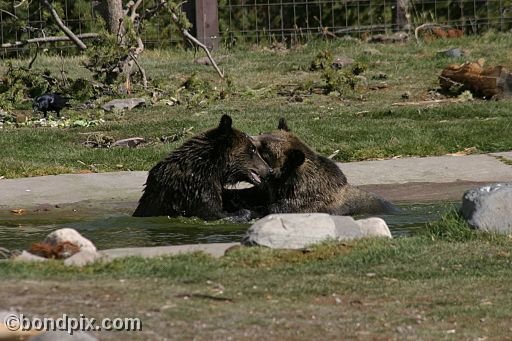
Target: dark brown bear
(190, 180)
(303, 182)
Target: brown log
(488, 83)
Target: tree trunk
(401, 15)
(113, 13)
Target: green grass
(362, 124)
(447, 282)
(420, 287)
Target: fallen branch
(34, 58)
(48, 40)
(434, 101)
(9, 13)
(63, 27)
(141, 69)
(193, 39)
(429, 26)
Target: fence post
(401, 15)
(203, 14)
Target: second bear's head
(282, 149)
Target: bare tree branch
(7, 12)
(134, 9)
(34, 58)
(142, 71)
(47, 40)
(63, 27)
(193, 39)
(151, 11)
(21, 3)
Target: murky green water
(113, 228)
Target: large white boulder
(300, 230)
(489, 208)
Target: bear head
(282, 150)
(242, 161)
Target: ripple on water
(122, 230)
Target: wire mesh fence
(264, 20)
(257, 20)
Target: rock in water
(72, 236)
(300, 230)
(489, 208)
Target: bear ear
(294, 159)
(256, 141)
(225, 123)
(282, 125)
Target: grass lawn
(264, 85)
(448, 283)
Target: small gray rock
(489, 208)
(454, 52)
(63, 336)
(83, 258)
(340, 62)
(374, 227)
(123, 104)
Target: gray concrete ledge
(438, 169)
(127, 186)
(213, 249)
(71, 188)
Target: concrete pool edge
(425, 179)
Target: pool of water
(116, 228)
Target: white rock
(489, 208)
(297, 231)
(291, 231)
(374, 227)
(131, 142)
(123, 104)
(25, 256)
(83, 258)
(72, 236)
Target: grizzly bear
(190, 180)
(302, 182)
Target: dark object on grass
(50, 102)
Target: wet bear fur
(303, 181)
(190, 180)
